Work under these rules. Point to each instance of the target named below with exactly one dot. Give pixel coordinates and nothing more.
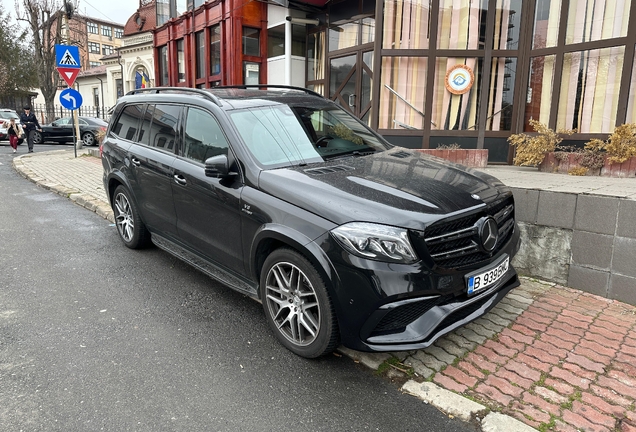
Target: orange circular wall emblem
(459, 79)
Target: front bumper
(397, 307)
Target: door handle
(179, 179)
(352, 100)
(135, 161)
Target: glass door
(350, 82)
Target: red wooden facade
(232, 16)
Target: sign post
(68, 65)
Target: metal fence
(84, 111)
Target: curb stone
(446, 401)
(495, 422)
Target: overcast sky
(111, 10)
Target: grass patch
(545, 427)
(395, 363)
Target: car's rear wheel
(130, 227)
(297, 304)
(88, 139)
(36, 137)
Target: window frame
(92, 28)
(94, 48)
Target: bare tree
(45, 18)
(16, 63)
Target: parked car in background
(286, 197)
(6, 115)
(61, 130)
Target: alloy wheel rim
(293, 304)
(88, 140)
(124, 217)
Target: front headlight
(376, 242)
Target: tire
(37, 137)
(131, 229)
(88, 139)
(297, 305)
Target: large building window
(316, 62)
(276, 41)
(403, 92)
(503, 71)
(199, 39)
(119, 33)
(107, 31)
(215, 49)
(406, 24)
(594, 20)
(539, 94)
(163, 65)
(507, 25)
(93, 48)
(456, 111)
(251, 42)
(107, 49)
(462, 25)
(631, 105)
(92, 28)
(180, 61)
(590, 87)
(546, 23)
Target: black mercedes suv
(284, 196)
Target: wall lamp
(308, 21)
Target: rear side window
(163, 131)
(203, 136)
(128, 122)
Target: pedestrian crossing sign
(67, 56)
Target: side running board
(206, 267)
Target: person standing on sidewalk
(15, 132)
(29, 123)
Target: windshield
(283, 135)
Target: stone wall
(587, 242)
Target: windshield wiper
(349, 154)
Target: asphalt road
(94, 336)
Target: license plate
(487, 277)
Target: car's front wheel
(36, 137)
(88, 139)
(130, 227)
(297, 304)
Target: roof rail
(157, 90)
(276, 86)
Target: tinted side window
(203, 136)
(163, 131)
(144, 129)
(128, 122)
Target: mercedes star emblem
(488, 234)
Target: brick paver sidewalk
(567, 363)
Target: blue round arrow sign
(71, 99)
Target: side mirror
(217, 167)
(54, 124)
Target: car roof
(233, 97)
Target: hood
(397, 187)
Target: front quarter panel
(269, 219)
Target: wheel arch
(273, 236)
(117, 179)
